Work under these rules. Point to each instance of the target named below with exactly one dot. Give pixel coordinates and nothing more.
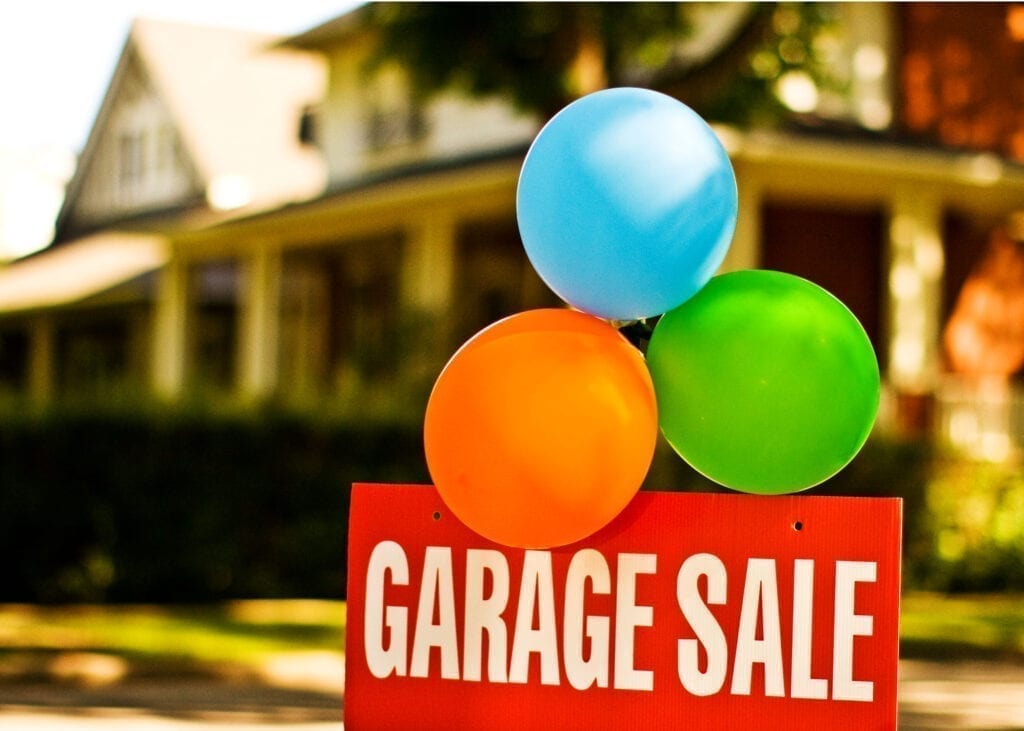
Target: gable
(238, 102)
(136, 163)
(196, 118)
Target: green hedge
(179, 508)
(191, 507)
(973, 536)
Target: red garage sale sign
(689, 611)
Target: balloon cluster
(542, 427)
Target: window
(494, 278)
(14, 348)
(393, 127)
(93, 356)
(368, 296)
(309, 126)
(340, 316)
(393, 116)
(131, 158)
(216, 287)
(165, 150)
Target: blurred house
(255, 275)
(197, 125)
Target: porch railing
(981, 418)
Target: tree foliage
(724, 61)
(542, 55)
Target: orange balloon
(541, 428)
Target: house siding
(448, 126)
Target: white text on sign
(400, 639)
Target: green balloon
(765, 382)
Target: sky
(56, 60)
(57, 56)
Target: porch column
(260, 326)
(429, 263)
(169, 330)
(916, 263)
(427, 282)
(745, 250)
(41, 358)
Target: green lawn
(155, 639)
(246, 633)
(974, 626)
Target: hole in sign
(798, 525)
(437, 515)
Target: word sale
(588, 649)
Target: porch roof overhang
(75, 271)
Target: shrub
(132, 507)
(188, 507)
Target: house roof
(235, 99)
(84, 268)
(329, 32)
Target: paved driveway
(961, 695)
(167, 705)
(933, 696)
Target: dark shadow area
(960, 649)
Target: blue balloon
(626, 203)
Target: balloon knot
(638, 332)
